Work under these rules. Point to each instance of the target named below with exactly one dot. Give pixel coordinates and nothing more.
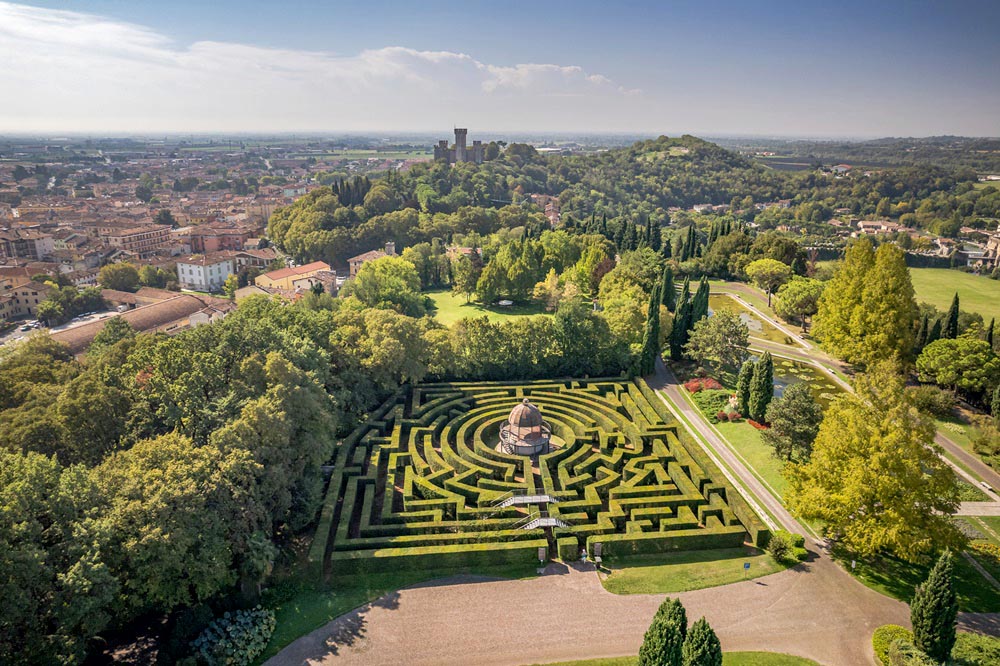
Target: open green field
(746, 440)
(728, 659)
(976, 293)
(669, 573)
(758, 327)
(449, 308)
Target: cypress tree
(933, 612)
(651, 336)
(672, 610)
(701, 646)
(682, 319)
(699, 305)
(922, 332)
(995, 405)
(935, 332)
(951, 320)
(743, 388)
(667, 292)
(761, 387)
(662, 644)
(655, 237)
(989, 332)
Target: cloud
(66, 71)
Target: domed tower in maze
(525, 432)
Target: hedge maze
(422, 483)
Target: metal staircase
(537, 520)
(510, 499)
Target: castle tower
(460, 137)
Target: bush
(885, 636)
(903, 653)
(236, 638)
(933, 400)
(722, 416)
(786, 547)
(976, 650)
(702, 384)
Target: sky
(803, 68)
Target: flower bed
(759, 426)
(702, 384)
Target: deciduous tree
(722, 339)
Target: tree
(761, 388)
(667, 290)
(933, 611)
(966, 363)
(875, 475)
(116, 330)
(798, 300)
(768, 274)
(651, 336)
(989, 331)
(995, 404)
(722, 339)
(951, 319)
(390, 283)
(794, 419)
(232, 283)
(164, 216)
(122, 276)
(702, 646)
(465, 274)
(682, 323)
(699, 304)
(842, 297)
(50, 311)
(743, 382)
(548, 291)
(143, 193)
(664, 639)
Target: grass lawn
(758, 327)
(897, 579)
(976, 293)
(728, 659)
(312, 607)
(746, 440)
(988, 525)
(689, 570)
(449, 308)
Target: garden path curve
(814, 610)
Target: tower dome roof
(525, 415)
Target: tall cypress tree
(699, 305)
(668, 294)
(682, 322)
(935, 332)
(995, 405)
(951, 320)
(651, 336)
(922, 332)
(761, 387)
(743, 387)
(933, 612)
(701, 646)
(989, 332)
(662, 644)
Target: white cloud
(65, 71)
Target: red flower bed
(701, 384)
(759, 426)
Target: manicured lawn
(988, 525)
(311, 608)
(897, 579)
(976, 293)
(746, 440)
(691, 570)
(449, 308)
(728, 659)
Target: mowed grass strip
(669, 573)
(728, 659)
(976, 293)
(449, 308)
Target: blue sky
(767, 68)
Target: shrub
(976, 650)
(885, 636)
(987, 550)
(903, 653)
(932, 400)
(786, 547)
(236, 638)
(702, 384)
(759, 426)
(722, 416)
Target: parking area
(25, 327)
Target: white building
(205, 272)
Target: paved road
(979, 509)
(815, 610)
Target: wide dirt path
(815, 610)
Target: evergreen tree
(655, 237)
(699, 305)
(761, 387)
(743, 387)
(682, 323)
(951, 320)
(933, 612)
(935, 332)
(989, 332)
(882, 328)
(664, 639)
(701, 646)
(667, 292)
(921, 340)
(651, 336)
(995, 405)
(842, 297)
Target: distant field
(976, 293)
(365, 154)
(449, 308)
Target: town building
(26, 244)
(205, 272)
(355, 263)
(27, 297)
(142, 241)
(285, 278)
